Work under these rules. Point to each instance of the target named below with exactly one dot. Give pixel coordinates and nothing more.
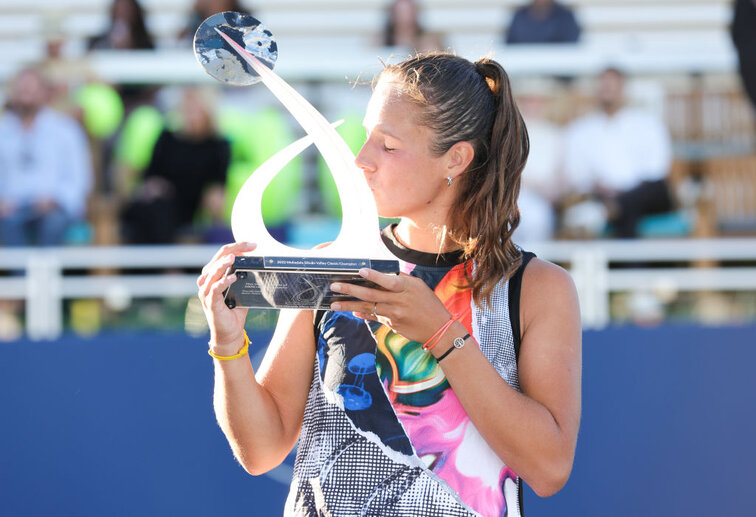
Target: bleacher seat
(730, 184)
(332, 24)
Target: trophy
(238, 50)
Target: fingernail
(336, 306)
(364, 272)
(336, 287)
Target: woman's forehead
(388, 104)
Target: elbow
(257, 465)
(549, 487)
(252, 468)
(552, 478)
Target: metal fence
(45, 277)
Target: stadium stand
(678, 54)
(343, 24)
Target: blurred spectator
(203, 9)
(127, 31)
(187, 173)
(543, 21)
(542, 181)
(744, 36)
(64, 72)
(403, 28)
(619, 156)
(45, 166)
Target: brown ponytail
(473, 102)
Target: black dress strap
(515, 287)
(316, 319)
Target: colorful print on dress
(438, 427)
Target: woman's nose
(363, 160)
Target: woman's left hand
(405, 303)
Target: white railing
(37, 274)
(180, 66)
(708, 268)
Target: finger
(210, 271)
(360, 292)
(356, 307)
(202, 278)
(390, 282)
(213, 299)
(220, 268)
(218, 271)
(234, 248)
(216, 290)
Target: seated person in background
(127, 31)
(45, 166)
(543, 21)
(187, 172)
(542, 178)
(403, 28)
(743, 31)
(203, 9)
(620, 156)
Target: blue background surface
(122, 424)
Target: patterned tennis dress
(383, 433)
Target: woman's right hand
(226, 325)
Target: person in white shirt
(621, 156)
(542, 179)
(45, 166)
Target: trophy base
(297, 282)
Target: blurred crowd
(86, 162)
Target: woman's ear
(459, 158)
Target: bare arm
(534, 431)
(260, 414)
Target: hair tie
(481, 68)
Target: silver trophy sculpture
(237, 49)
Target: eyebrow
(382, 129)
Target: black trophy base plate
(263, 284)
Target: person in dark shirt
(127, 30)
(744, 37)
(543, 21)
(187, 172)
(403, 28)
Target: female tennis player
(441, 392)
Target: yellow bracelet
(241, 353)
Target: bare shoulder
(547, 289)
(545, 275)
